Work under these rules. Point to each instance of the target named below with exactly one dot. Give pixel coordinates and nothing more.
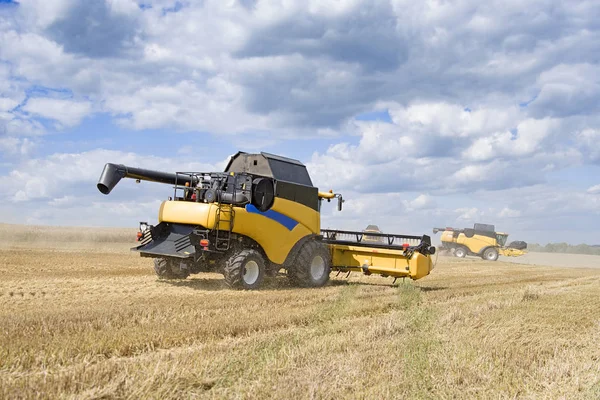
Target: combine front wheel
(312, 266)
(244, 270)
(490, 254)
(460, 252)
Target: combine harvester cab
(482, 241)
(259, 216)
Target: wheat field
(82, 317)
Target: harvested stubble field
(81, 317)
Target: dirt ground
(82, 317)
(556, 260)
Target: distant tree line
(565, 248)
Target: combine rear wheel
(169, 269)
(312, 266)
(490, 254)
(244, 270)
(460, 252)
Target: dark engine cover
(517, 244)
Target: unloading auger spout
(113, 173)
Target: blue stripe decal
(284, 220)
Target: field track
(556, 260)
(82, 317)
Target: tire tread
(233, 269)
(299, 271)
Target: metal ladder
(225, 214)
(223, 237)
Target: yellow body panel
(274, 237)
(475, 244)
(379, 261)
(447, 237)
(301, 213)
(185, 212)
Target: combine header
(482, 240)
(380, 253)
(258, 217)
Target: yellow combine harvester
(482, 240)
(259, 217)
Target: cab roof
(270, 165)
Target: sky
(422, 114)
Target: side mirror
(330, 195)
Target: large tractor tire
(169, 269)
(490, 254)
(460, 252)
(312, 265)
(245, 269)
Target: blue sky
(422, 114)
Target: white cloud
(472, 214)
(65, 174)
(589, 142)
(509, 213)
(284, 67)
(37, 57)
(14, 146)
(443, 148)
(473, 173)
(64, 201)
(453, 120)
(421, 202)
(594, 189)
(127, 7)
(7, 104)
(568, 90)
(41, 13)
(15, 127)
(528, 137)
(185, 106)
(487, 101)
(67, 112)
